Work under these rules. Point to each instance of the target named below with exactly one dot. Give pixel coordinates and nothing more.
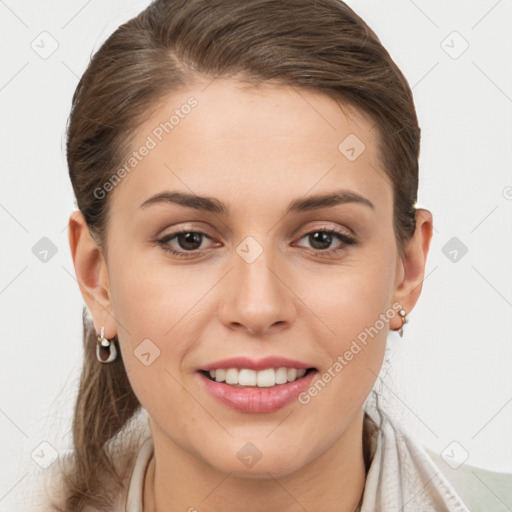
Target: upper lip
(256, 364)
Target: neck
(334, 481)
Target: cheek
(359, 301)
(352, 298)
(355, 307)
(149, 297)
(133, 302)
(157, 308)
(146, 307)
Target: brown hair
(317, 44)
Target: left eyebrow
(326, 200)
(213, 205)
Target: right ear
(91, 273)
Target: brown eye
(188, 243)
(321, 240)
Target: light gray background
(451, 373)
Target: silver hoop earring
(403, 314)
(105, 349)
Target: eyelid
(187, 228)
(325, 226)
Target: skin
(255, 150)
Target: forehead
(237, 142)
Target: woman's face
(255, 278)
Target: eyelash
(342, 237)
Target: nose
(256, 298)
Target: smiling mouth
(246, 378)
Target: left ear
(410, 280)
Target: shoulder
(479, 488)
(402, 475)
(45, 490)
(41, 489)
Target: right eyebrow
(190, 200)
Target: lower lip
(258, 400)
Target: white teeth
(266, 378)
(246, 377)
(263, 379)
(281, 376)
(231, 376)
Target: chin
(278, 464)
